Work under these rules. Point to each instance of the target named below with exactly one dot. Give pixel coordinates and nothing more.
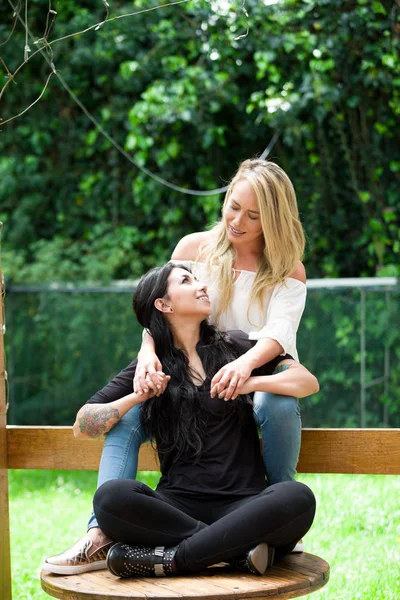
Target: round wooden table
(294, 576)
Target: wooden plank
(5, 561)
(99, 585)
(308, 564)
(322, 451)
(56, 448)
(375, 451)
(211, 584)
(194, 588)
(238, 585)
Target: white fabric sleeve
(185, 263)
(283, 316)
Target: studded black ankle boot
(257, 560)
(125, 560)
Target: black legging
(207, 531)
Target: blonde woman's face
(242, 216)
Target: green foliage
(62, 348)
(329, 342)
(188, 98)
(189, 101)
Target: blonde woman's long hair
(282, 230)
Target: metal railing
(352, 295)
(383, 285)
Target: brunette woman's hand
(147, 374)
(248, 387)
(230, 379)
(164, 381)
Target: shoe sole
(298, 549)
(261, 558)
(60, 570)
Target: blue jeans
(277, 416)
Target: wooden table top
(294, 576)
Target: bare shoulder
(188, 247)
(299, 273)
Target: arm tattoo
(281, 368)
(94, 420)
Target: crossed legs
(206, 531)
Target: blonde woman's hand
(230, 379)
(163, 380)
(147, 371)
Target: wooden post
(5, 560)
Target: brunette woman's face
(186, 295)
(242, 215)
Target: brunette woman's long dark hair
(174, 424)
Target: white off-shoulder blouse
(281, 314)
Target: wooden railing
(322, 450)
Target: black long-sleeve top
(230, 463)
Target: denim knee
(275, 408)
(121, 448)
(280, 424)
(120, 452)
(129, 425)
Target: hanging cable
(118, 147)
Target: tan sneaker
(78, 559)
(299, 547)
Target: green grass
(357, 529)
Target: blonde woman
(251, 263)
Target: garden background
(187, 92)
